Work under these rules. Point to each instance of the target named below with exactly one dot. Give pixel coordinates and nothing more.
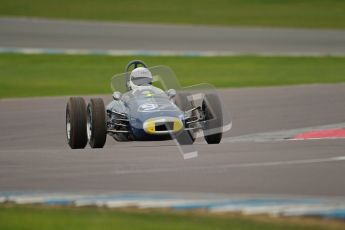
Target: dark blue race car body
(149, 114)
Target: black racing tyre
(96, 123)
(185, 137)
(76, 123)
(213, 127)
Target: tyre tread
(77, 111)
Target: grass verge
(53, 75)
(263, 13)
(49, 218)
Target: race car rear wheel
(213, 119)
(96, 123)
(185, 137)
(76, 123)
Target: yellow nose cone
(177, 125)
(151, 124)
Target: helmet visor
(140, 81)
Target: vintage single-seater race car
(148, 105)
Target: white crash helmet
(140, 77)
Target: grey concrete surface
(41, 33)
(34, 155)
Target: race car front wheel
(76, 123)
(213, 126)
(96, 123)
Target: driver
(140, 84)
(140, 77)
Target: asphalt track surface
(60, 34)
(34, 155)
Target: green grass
(91, 218)
(49, 75)
(264, 13)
